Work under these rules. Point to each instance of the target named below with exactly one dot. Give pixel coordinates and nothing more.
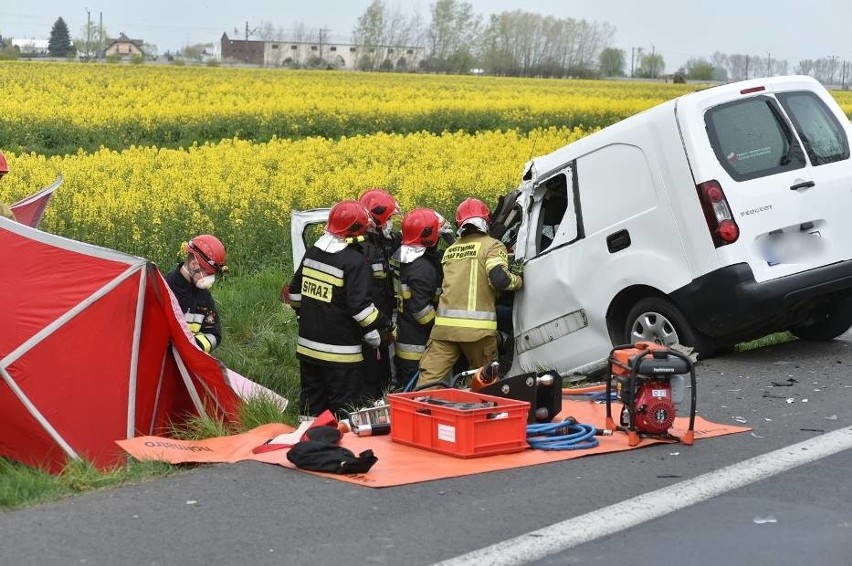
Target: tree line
(457, 40)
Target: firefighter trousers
(441, 355)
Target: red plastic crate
(463, 433)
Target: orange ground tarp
(399, 464)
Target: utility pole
(653, 62)
(833, 59)
(638, 59)
(88, 33)
(101, 45)
(322, 37)
(632, 59)
(768, 64)
(245, 44)
(746, 67)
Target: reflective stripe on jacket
(466, 310)
(419, 286)
(335, 308)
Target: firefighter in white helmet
(190, 281)
(476, 270)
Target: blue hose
(565, 435)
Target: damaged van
(716, 217)
(713, 218)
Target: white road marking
(625, 514)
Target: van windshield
(752, 140)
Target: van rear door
(779, 151)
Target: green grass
(777, 338)
(21, 485)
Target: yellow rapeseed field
(144, 201)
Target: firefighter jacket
(476, 269)
(377, 252)
(198, 308)
(331, 293)
(417, 299)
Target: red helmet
(348, 219)
(420, 228)
(380, 204)
(472, 208)
(209, 252)
(4, 166)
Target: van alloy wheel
(658, 320)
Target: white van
(719, 216)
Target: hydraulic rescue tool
(542, 390)
(648, 381)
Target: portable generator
(649, 382)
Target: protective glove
(516, 267)
(285, 294)
(373, 339)
(388, 334)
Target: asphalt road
(254, 513)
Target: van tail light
(720, 221)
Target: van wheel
(655, 319)
(834, 321)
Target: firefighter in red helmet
(476, 270)
(5, 210)
(190, 281)
(418, 289)
(381, 242)
(331, 294)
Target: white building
(307, 53)
(31, 46)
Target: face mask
(206, 282)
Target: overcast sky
(677, 29)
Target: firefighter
(331, 294)
(476, 270)
(381, 242)
(5, 210)
(418, 290)
(190, 281)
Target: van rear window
(752, 140)
(820, 132)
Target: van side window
(553, 206)
(820, 132)
(751, 139)
(556, 223)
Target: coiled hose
(564, 435)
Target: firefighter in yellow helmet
(476, 269)
(190, 281)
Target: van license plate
(791, 247)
